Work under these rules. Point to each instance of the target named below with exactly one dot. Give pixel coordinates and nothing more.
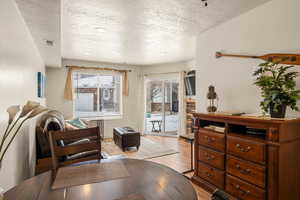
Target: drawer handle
(242, 149)
(209, 139)
(208, 157)
(243, 192)
(208, 174)
(243, 171)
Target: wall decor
(41, 85)
(289, 59)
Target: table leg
(159, 126)
(153, 126)
(192, 160)
(192, 156)
(100, 125)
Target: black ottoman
(127, 137)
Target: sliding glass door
(162, 106)
(171, 105)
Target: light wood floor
(180, 161)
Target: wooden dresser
(248, 166)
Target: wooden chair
(65, 151)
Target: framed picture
(41, 85)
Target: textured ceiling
(43, 19)
(133, 31)
(141, 31)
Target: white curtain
(182, 104)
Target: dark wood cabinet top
(277, 130)
(268, 120)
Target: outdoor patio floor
(171, 125)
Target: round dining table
(146, 180)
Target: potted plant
(277, 84)
(16, 118)
(1, 194)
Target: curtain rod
(99, 68)
(163, 73)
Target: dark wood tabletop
(146, 181)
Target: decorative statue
(212, 97)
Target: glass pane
(171, 107)
(97, 95)
(168, 99)
(86, 94)
(84, 102)
(154, 104)
(109, 90)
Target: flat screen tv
(190, 83)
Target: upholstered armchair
(53, 121)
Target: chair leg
(153, 127)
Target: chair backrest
(87, 150)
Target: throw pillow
(78, 123)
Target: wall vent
(50, 43)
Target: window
(97, 94)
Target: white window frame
(100, 117)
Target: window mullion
(99, 93)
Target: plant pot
(1, 190)
(279, 113)
(1, 194)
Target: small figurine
(212, 97)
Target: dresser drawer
(247, 171)
(213, 158)
(212, 139)
(211, 175)
(249, 150)
(243, 190)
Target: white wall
(168, 67)
(56, 79)
(273, 27)
(19, 63)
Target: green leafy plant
(277, 84)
